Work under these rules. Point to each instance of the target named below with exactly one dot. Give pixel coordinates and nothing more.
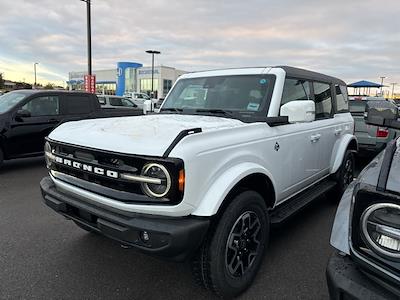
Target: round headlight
(380, 225)
(157, 190)
(48, 155)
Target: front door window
(43, 106)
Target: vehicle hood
(143, 135)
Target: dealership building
(128, 77)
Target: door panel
(297, 159)
(27, 134)
(326, 124)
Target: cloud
(349, 39)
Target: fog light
(388, 242)
(144, 236)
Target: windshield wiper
(178, 110)
(227, 113)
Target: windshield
(9, 100)
(237, 93)
(357, 106)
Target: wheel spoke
(250, 258)
(245, 222)
(243, 243)
(233, 256)
(235, 265)
(234, 237)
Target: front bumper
(346, 281)
(175, 238)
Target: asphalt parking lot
(43, 256)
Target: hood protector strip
(179, 137)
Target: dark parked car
(28, 116)
(366, 231)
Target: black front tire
(232, 252)
(344, 176)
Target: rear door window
(342, 101)
(323, 100)
(79, 104)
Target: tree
(1, 81)
(49, 86)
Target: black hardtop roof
(311, 75)
(293, 72)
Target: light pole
(393, 84)
(382, 77)
(89, 36)
(34, 70)
(152, 52)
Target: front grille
(117, 163)
(114, 162)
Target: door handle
(53, 120)
(338, 132)
(315, 138)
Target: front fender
(215, 195)
(341, 226)
(339, 151)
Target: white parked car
(230, 153)
(139, 98)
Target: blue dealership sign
(121, 67)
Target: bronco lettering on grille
(87, 168)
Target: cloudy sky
(350, 39)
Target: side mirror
(23, 113)
(147, 106)
(381, 113)
(299, 111)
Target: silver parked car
(111, 101)
(371, 139)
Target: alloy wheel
(243, 244)
(348, 172)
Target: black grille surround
(364, 198)
(119, 163)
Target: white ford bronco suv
(231, 153)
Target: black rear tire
(344, 176)
(232, 252)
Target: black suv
(366, 231)
(28, 116)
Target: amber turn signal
(181, 180)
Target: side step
(298, 202)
